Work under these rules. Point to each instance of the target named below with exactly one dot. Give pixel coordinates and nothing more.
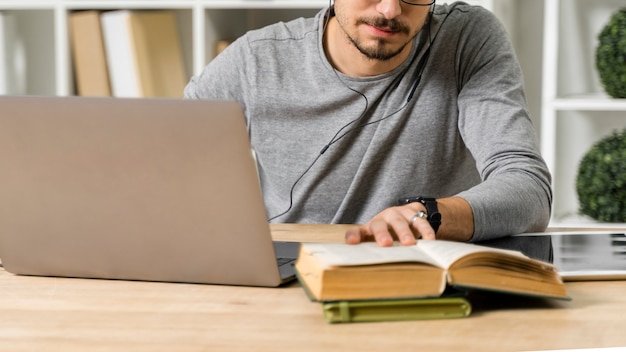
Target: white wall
(524, 22)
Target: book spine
(120, 54)
(158, 53)
(12, 57)
(88, 54)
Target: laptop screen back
(139, 189)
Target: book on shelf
(334, 271)
(396, 309)
(220, 45)
(88, 54)
(144, 53)
(12, 56)
(3, 53)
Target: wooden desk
(57, 314)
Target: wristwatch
(433, 214)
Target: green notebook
(393, 310)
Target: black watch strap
(434, 217)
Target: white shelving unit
(36, 54)
(39, 43)
(576, 112)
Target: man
(372, 101)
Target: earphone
(353, 125)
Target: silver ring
(420, 215)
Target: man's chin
(380, 53)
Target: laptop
(586, 254)
(133, 189)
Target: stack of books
(426, 281)
(127, 53)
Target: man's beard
(379, 52)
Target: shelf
(571, 123)
(160, 4)
(578, 221)
(592, 102)
(37, 41)
(265, 4)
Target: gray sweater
(464, 131)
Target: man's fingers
(403, 231)
(380, 230)
(422, 226)
(396, 222)
(354, 235)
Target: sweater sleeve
(515, 194)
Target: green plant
(601, 180)
(611, 55)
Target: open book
(330, 271)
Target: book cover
(3, 54)
(12, 56)
(88, 54)
(120, 54)
(220, 45)
(144, 53)
(159, 53)
(396, 310)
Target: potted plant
(601, 179)
(611, 55)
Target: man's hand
(402, 223)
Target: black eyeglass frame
(414, 4)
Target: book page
(340, 254)
(445, 253)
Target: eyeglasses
(419, 2)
